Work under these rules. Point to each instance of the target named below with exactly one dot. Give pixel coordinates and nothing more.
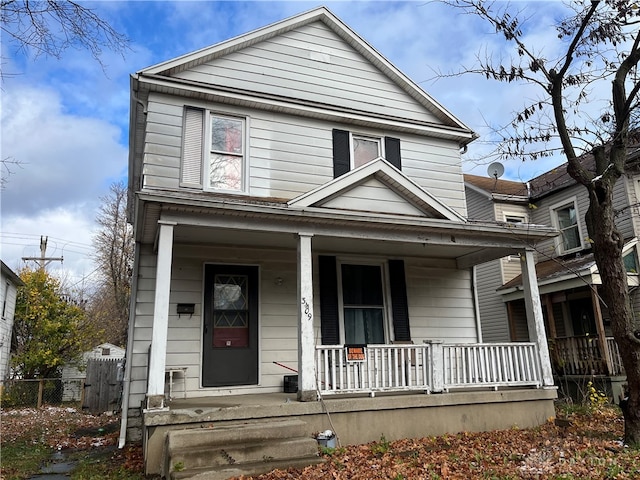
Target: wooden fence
(103, 385)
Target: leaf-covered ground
(588, 448)
(30, 436)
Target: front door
(230, 348)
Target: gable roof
(320, 14)
(387, 175)
(11, 275)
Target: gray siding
(289, 156)
(311, 64)
(493, 312)
(479, 206)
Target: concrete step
(234, 433)
(246, 452)
(248, 469)
(240, 446)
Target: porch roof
(558, 274)
(271, 222)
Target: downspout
(476, 304)
(126, 382)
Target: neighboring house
(9, 283)
(576, 320)
(73, 375)
(298, 204)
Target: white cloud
(66, 159)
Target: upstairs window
(226, 155)
(351, 150)
(365, 149)
(565, 218)
(213, 151)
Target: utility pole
(43, 260)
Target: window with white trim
(214, 153)
(631, 261)
(565, 218)
(226, 153)
(352, 150)
(514, 218)
(364, 149)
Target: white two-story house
(299, 211)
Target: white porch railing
(430, 367)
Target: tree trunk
(607, 249)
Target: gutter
(126, 381)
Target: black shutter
(341, 153)
(399, 305)
(392, 151)
(329, 316)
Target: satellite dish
(495, 170)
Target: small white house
(74, 374)
(9, 283)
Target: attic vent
(320, 54)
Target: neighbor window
(226, 156)
(566, 219)
(631, 262)
(509, 218)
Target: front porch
(366, 391)
(355, 419)
(586, 355)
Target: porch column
(307, 390)
(158, 349)
(535, 320)
(602, 336)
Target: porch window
(566, 220)
(363, 304)
(358, 314)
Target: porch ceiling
(193, 235)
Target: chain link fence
(39, 392)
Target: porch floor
(231, 401)
(271, 405)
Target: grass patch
(101, 464)
(23, 459)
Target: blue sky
(66, 120)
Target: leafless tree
(49, 27)
(598, 41)
(114, 247)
